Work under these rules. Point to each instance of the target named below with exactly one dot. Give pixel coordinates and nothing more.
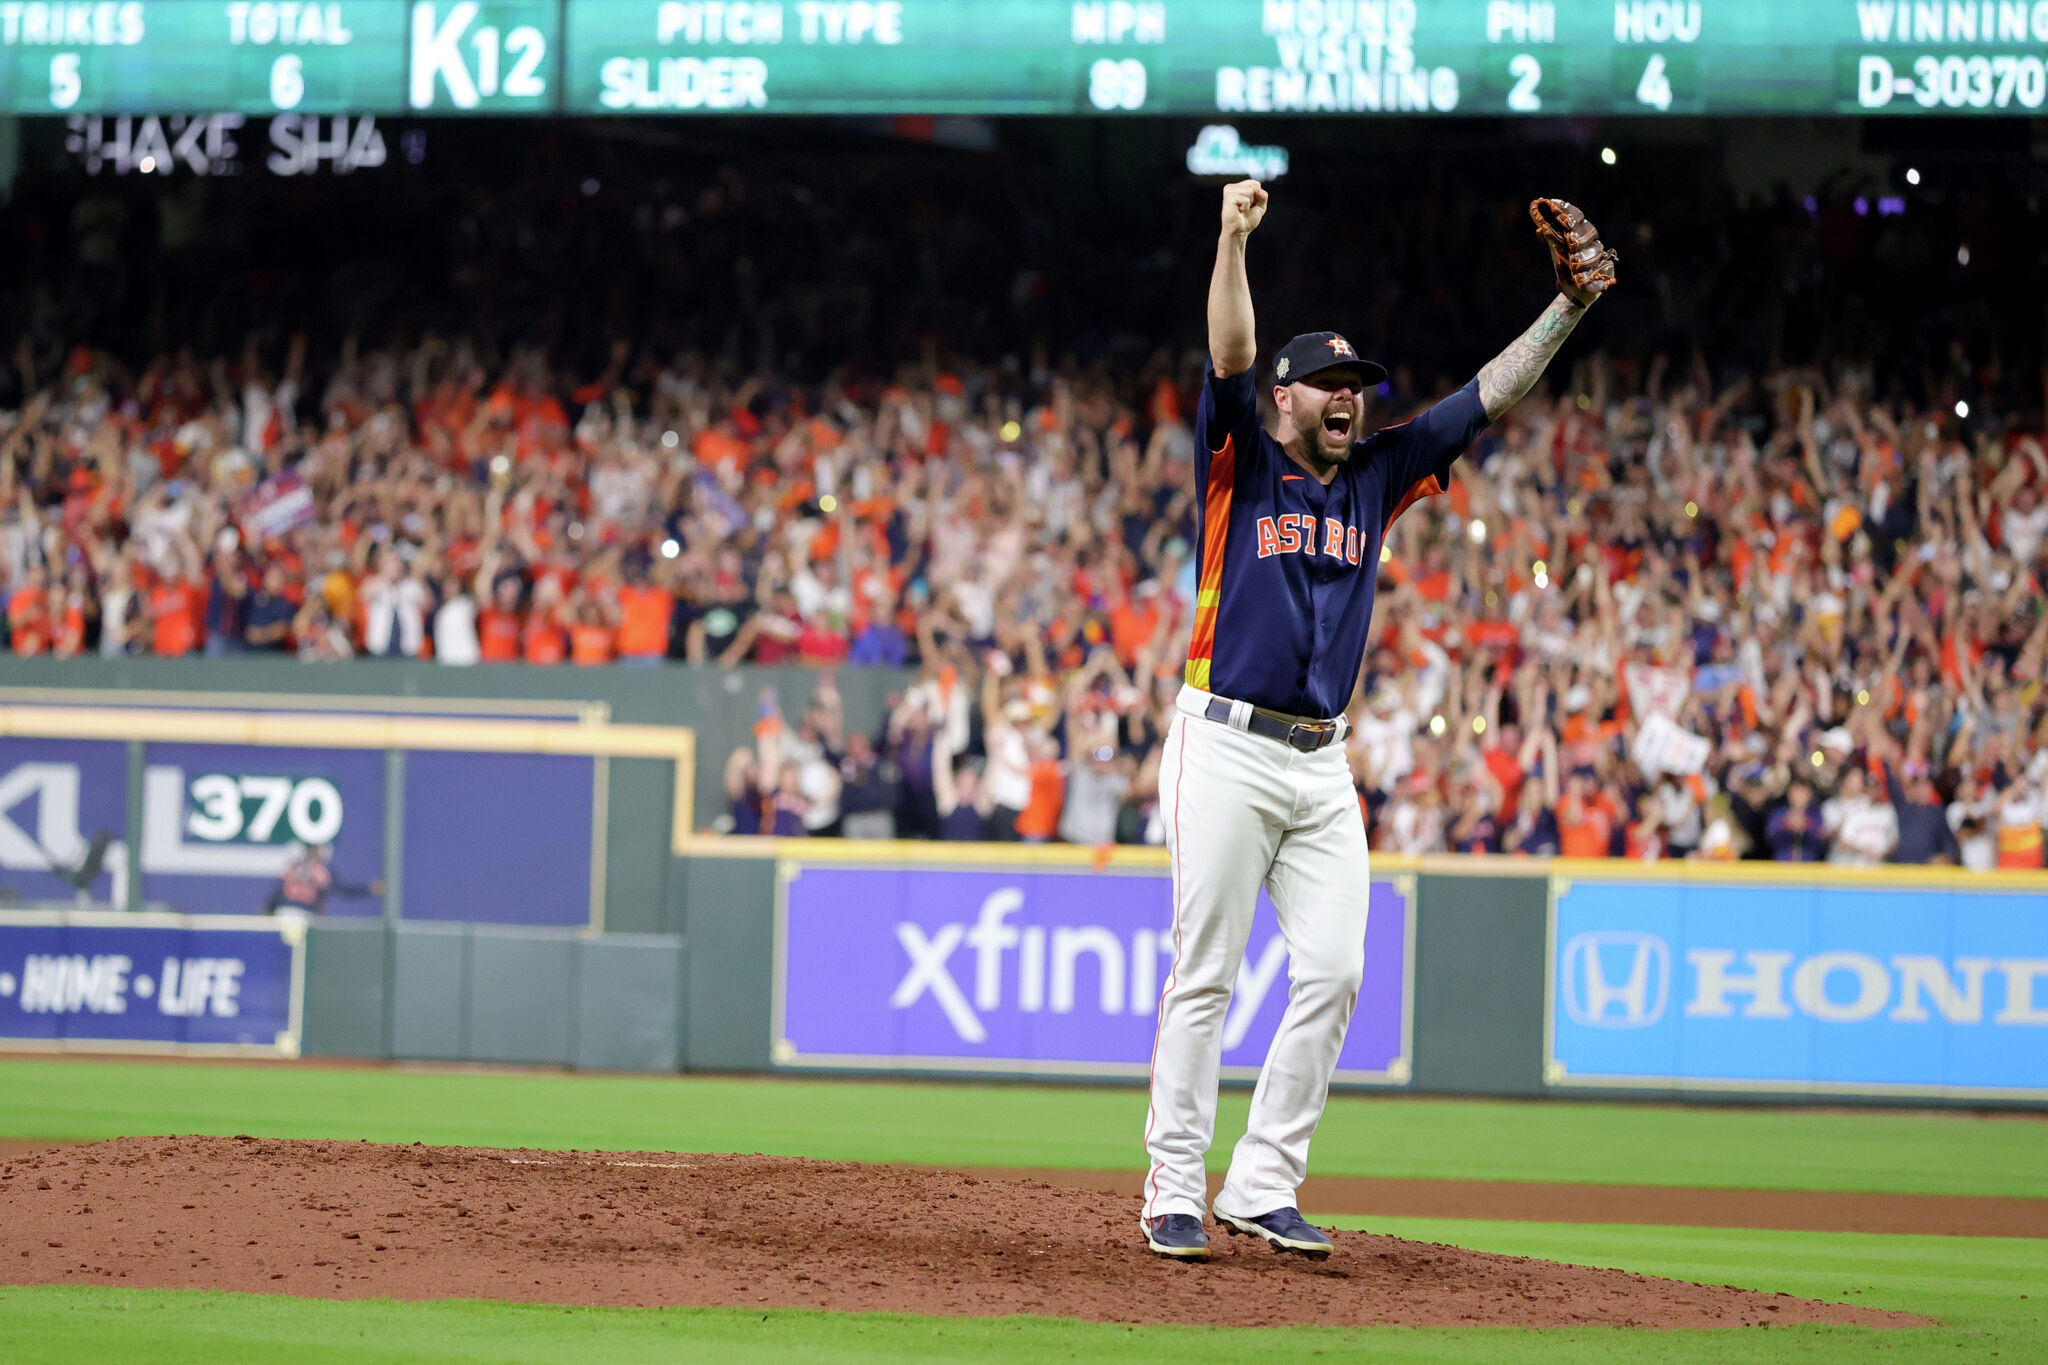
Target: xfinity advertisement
(1851, 990)
(1044, 972)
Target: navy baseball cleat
(1285, 1228)
(1178, 1235)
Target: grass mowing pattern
(1972, 1284)
(990, 1125)
(1990, 1293)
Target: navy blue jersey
(1288, 567)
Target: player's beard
(1329, 446)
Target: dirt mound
(360, 1220)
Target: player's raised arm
(1585, 271)
(1233, 341)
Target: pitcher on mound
(1254, 789)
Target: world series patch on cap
(1311, 353)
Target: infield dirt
(362, 1220)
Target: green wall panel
(629, 1009)
(347, 972)
(522, 996)
(1479, 946)
(729, 926)
(430, 992)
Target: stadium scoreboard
(1193, 57)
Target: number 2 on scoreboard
(1527, 71)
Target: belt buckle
(1314, 733)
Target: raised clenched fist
(1244, 206)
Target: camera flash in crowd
(1962, 408)
(1477, 530)
(1437, 725)
(1607, 157)
(1912, 175)
(670, 440)
(669, 548)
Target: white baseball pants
(1241, 810)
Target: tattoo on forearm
(1509, 376)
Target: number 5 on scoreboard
(65, 84)
(1654, 89)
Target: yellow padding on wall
(328, 731)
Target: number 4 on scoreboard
(1654, 89)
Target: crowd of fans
(1651, 618)
(1778, 621)
(1776, 609)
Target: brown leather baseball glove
(1585, 266)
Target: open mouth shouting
(1337, 424)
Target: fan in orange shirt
(66, 624)
(28, 617)
(501, 626)
(646, 605)
(1133, 621)
(175, 605)
(1040, 819)
(593, 636)
(1585, 819)
(542, 636)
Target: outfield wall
(631, 797)
(476, 791)
(1483, 976)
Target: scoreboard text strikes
(1024, 56)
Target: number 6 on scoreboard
(288, 81)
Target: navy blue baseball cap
(1312, 353)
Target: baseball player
(1253, 784)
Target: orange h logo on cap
(1342, 347)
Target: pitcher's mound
(361, 1220)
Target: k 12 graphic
(1038, 971)
(1852, 989)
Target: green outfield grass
(993, 1125)
(1972, 1285)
